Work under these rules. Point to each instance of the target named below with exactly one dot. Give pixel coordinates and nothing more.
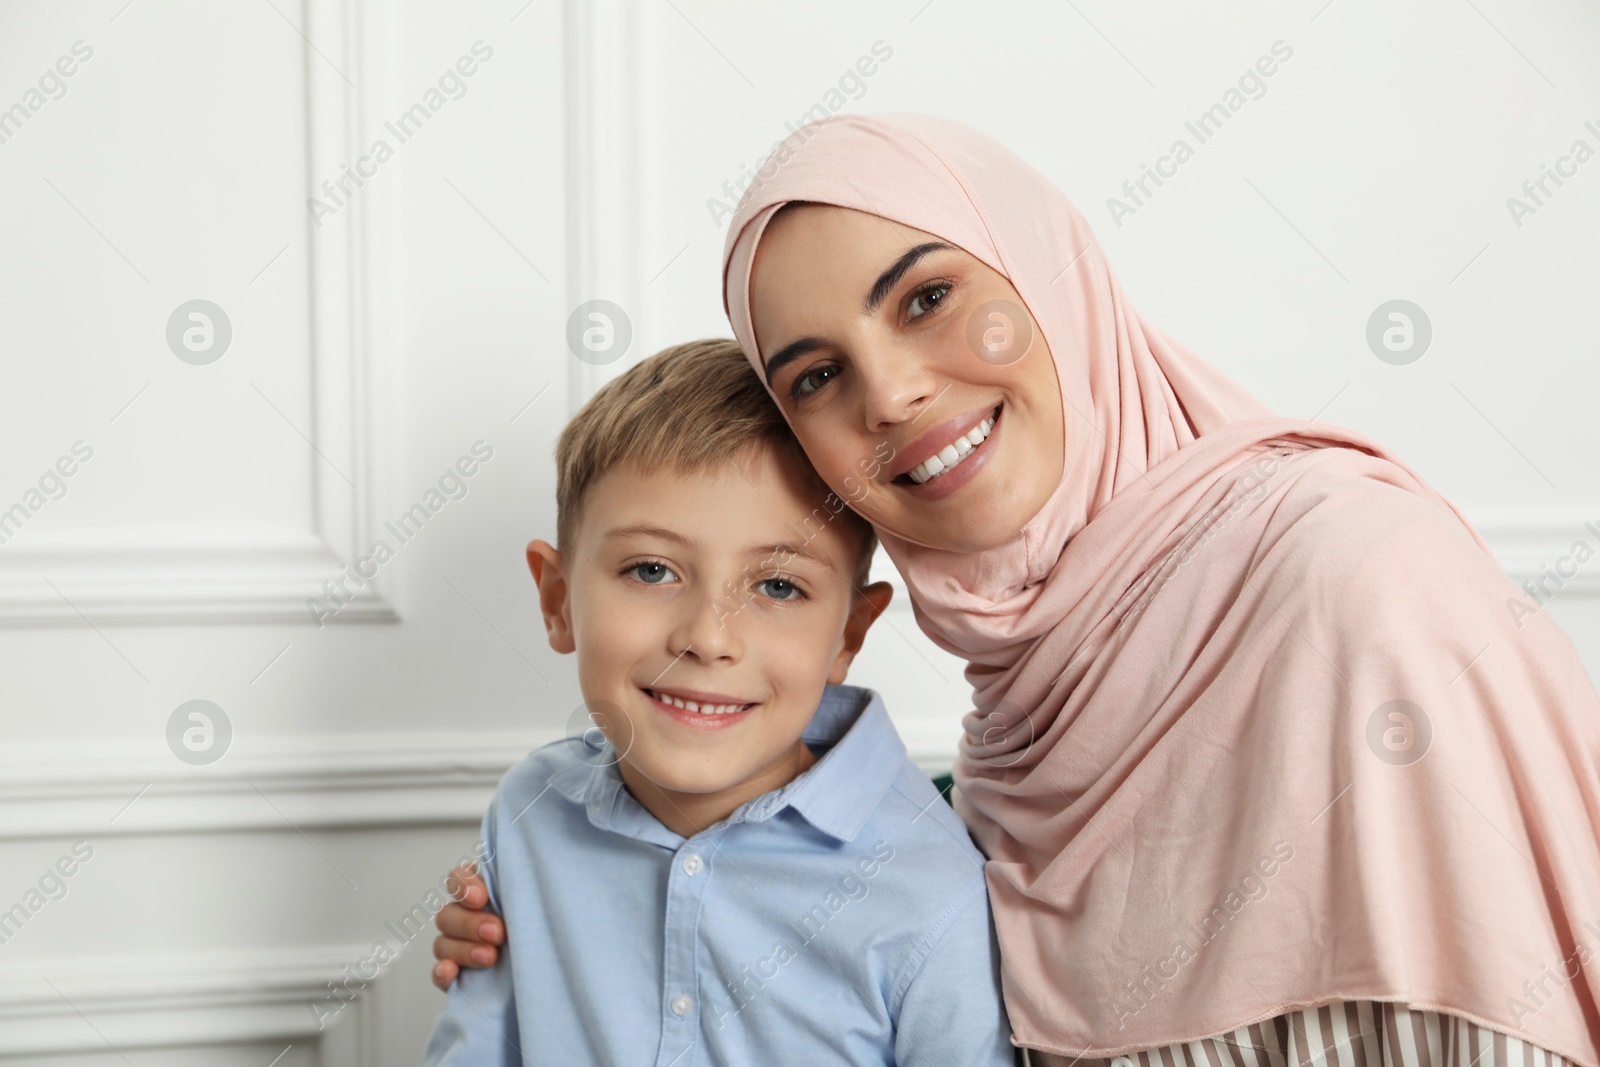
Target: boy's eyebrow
(795, 549)
(633, 529)
(875, 297)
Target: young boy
(740, 866)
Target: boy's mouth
(701, 708)
(946, 448)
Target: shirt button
(691, 866)
(681, 1004)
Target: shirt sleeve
(952, 1013)
(478, 1027)
(479, 1024)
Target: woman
(1263, 765)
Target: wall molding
(1525, 549)
(96, 789)
(261, 584)
(161, 1001)
(271, 580)
(605, 209)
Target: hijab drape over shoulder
(1259, 724)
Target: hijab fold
(1257, 725)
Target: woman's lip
(933, 440)
(942, 485)
(697, 721)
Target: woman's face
(912, 374)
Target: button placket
(686, 886)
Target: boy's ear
(545, 563)
(864, 611)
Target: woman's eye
(650, 573)
(926, 300)
(812, 380)
(781, 589)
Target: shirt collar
(839, 792)
(836, 794)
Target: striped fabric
(1346, 1034)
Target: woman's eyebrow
(789, 352)
(891, 277)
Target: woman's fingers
(464, 953)
(467, 933)
(469, 925)
(467, 887)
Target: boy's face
(713, 588)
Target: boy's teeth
(952, 453)
(703, 709)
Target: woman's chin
(976, 531)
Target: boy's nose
(708, 629)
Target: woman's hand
(467, 933)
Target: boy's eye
(650, 572)
(926, 300)
(781, 589)
(812, 380)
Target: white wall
(370, 352)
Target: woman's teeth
(703, 709)
(951, 454)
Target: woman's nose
(898, 385)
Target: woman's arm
(467, 933)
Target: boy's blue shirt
(840, 919)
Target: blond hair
(688, 407)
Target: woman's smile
(952, 456)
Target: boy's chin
(694, 785)
(678, 780)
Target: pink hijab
(1258, 725)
